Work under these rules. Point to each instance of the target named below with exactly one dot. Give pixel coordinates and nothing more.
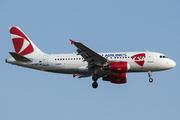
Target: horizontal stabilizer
(19, 57)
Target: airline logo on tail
(21, 42)
(139, 58)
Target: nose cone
(173, 64)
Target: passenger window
(160, 56)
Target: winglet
(72, 42)
(74, 75)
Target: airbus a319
(112, 67)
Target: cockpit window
(163, 56)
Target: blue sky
(104, 26)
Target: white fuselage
(74, 64)
(110, 66)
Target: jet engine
(117, 78)
(117, 67)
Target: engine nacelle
(118, 67)
(117, 79)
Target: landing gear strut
(150, 79)
(95, 78)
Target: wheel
(95, 77)
(94, 84)
(150, 80)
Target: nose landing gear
(95, 78)
(150, 79)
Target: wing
(93, 58)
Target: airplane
(112, 67)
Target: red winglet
(74, 75)
(72, 42)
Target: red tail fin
(22, 44)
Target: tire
(94, 84)
(94, 77)
(150, 80)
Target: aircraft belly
(105, 72)
(69, 67)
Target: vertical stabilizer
(22, 44)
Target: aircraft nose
(172, 63)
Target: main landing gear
(95, 78)
(150, 79)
